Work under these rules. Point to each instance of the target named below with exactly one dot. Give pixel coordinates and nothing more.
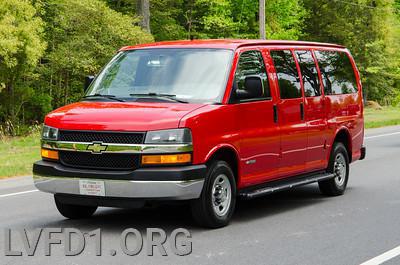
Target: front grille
(99, 161)
(105, 137)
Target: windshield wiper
(158, 95)
(112, 97)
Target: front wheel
(72, 211)
(339, 166)
(216, 204)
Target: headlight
(49, 133)
(175, 136)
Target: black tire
(74, 211)
(203, 210)
(336, 186)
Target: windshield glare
(193, 75)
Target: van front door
(259, 133)
(291, 115)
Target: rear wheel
(339, 166)
(216, 204)
(74, 211)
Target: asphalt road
(295, 227)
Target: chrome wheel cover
(340, 169)
(221, 195)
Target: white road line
(17, 193)
(384, 257)
(381, 135)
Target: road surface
(295, 227)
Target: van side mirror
(253, 88)
(88, 80)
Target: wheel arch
(227, 153)
(343, 136)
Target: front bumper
(170, 183)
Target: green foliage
(370, 29)
(20, 38)
(21, 46)
(201, 19)
(285, 19)
(48, 46)
(82, 36)
(166, 17)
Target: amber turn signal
(49, 154)
(166, 159)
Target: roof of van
(227, 44)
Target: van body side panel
(345, 112)
(295, 147)
(213, 127)
(358, 134)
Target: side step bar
(281, 185)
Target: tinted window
(251, 63)
(337, 73)
(288, 77)
(312, 87)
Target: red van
(206, 122)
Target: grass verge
(387, 116)
(18, 154)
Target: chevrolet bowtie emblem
(97, 148)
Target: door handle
(275, 113)
(302, 111)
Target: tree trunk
(143, 9)
(12, 119)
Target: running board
(281, 185)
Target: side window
(251, 63)
(312, 87)
(337, 73)
(288, 77)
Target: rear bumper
(177, 183)
(363, 152)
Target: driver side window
(251, 63)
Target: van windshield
(187, 75)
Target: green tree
(167, 20)
(284, 18)
(82, 35)
(21, 46)
(201, 19)
(225, 19)
(369, 28)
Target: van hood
(119, 116)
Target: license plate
(92, 188)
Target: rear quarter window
(337, 72)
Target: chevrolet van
(207, 122)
